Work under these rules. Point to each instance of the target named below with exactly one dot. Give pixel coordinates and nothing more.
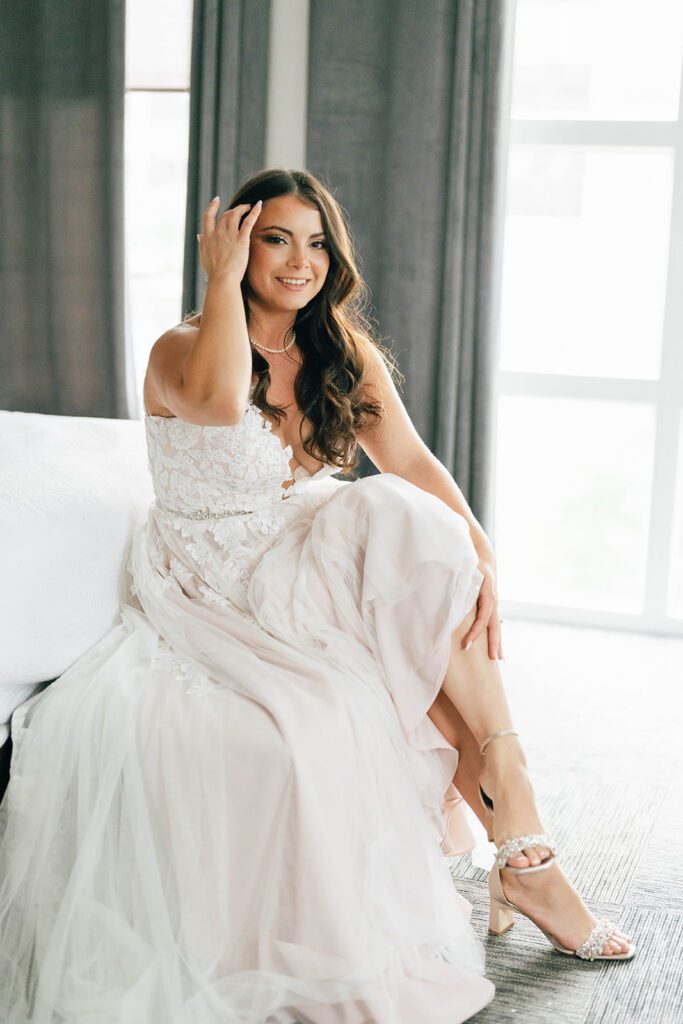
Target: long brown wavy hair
(333, 332)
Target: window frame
(665, 394)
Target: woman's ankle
(505, 775)
(504, 754)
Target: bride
(234, 808)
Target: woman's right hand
(224, 245)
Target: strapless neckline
(299, 472)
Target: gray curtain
(406, 118)
(228, 97)
(61, 208)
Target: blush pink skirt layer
(234, 808)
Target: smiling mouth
(293, 282)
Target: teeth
(293, 280)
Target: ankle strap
(495, 735)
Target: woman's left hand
(487, 608)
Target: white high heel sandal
(501, 910)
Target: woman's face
(287, 245)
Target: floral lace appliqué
(232, 467)
(238, 469)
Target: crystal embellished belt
(204, 513)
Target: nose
(297, 258)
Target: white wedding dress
(234, 808)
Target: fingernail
(215, 198)
(468, 645)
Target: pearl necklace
(276, 350)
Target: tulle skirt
(232, 811)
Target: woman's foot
(547, 897)
(509, 787)
(552, 902)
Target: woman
(235, 807)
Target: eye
(279, 238)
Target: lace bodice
(238, 467)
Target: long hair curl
(333, 331)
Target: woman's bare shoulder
(165, 362)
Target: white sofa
(71, 492)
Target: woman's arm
(217, 369)
(395, 446)
(218, 366)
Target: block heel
(501, 918)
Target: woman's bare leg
(473, 686)
(452, 725)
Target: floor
(600, 714)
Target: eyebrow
(288, 232)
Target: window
(158, 43)
(589, 467)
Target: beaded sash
(205, 513)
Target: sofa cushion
(71, 492)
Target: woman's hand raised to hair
(224, 244)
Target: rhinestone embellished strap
(595, 943)
(511, 846)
